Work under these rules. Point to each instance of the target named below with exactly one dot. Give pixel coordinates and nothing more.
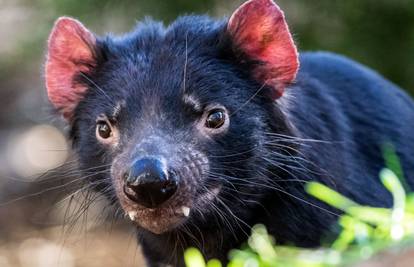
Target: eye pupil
(215, 119)
(104, 130)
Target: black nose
(148, 183)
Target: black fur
(270, 150)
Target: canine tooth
(132, 215)
(186, 211)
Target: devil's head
(179, 115)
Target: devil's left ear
(71, 51)
(259, 30)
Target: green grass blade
(393, 184)
(329, 196)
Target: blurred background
(44, 221)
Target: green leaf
(194, 258)
(393, 163)
(329, 196)
(214, 263)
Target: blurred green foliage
(378, 33)
(366, 231)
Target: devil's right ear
(71, 51)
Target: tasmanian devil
(206, 127)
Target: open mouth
(163, 219)
(159, 220)
(133, 215)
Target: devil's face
(175, 117)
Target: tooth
(132, 215)
(186, 211)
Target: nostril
(148, 183)
(168, 187)
(129, 179)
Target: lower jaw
(159, 229)
(162, 220)
(158, 221)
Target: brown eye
(103, 130)
(215, 119)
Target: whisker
(97, 87)
(248, 101)
(49, 189)
(276, 188)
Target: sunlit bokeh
(37, 150)
(38, 252)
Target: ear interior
(71, 51)
(259, 30)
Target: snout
(149, 183)
(157, 188)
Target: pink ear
(70, 52)
(258, 28)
